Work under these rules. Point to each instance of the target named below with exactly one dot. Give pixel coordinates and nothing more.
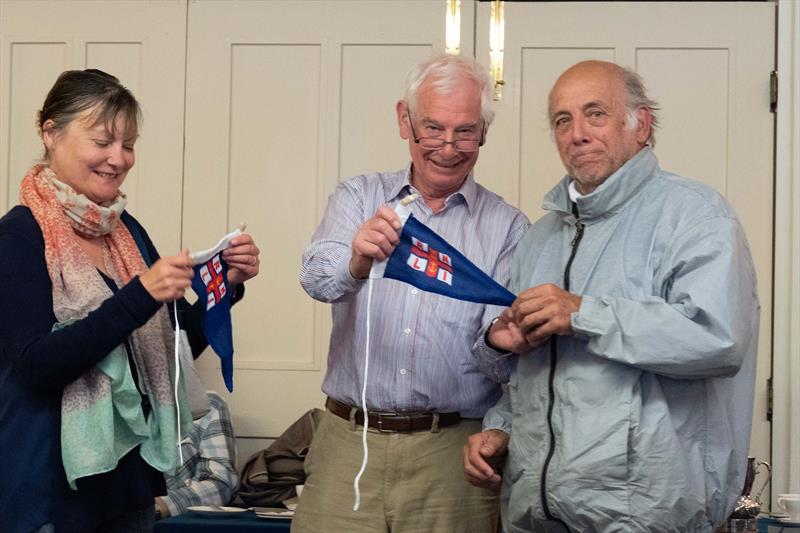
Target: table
(770, 524)
(246, 523)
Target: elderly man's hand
(482, 454)
(506, 335)
(543, 311)
(375, 239)
(242, 259)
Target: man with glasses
(426, 389)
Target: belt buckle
(380, 428)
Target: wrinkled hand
(482, 454)
(505, 334)
(168, 278)
(544, 310)
(242, 259)
(375, 239)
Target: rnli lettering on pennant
(434, 263)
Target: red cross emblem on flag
(211, 274)
(434, 263)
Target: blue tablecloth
(770, 524)
(246, 522)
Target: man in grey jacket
(636, 325)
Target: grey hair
(636, 97)
(446, 71)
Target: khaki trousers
(414, 483)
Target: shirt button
(414, 291)
(407, 331)
(403, 371)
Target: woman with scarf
(88, 416)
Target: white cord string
(403, 211)
(178, 379)
(357, 480)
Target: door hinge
(769, 399)
(773, 91)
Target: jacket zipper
(553, 359)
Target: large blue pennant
(426, 261)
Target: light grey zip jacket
(652, 396)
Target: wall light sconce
(496, 44)
(452, 27)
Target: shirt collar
(401, 187)
(573, 192)
(468, 190)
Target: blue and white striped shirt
(427, 351)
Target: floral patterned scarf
(104, 400)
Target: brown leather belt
(395, 422)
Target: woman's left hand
(242, 259)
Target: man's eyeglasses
(437, 143)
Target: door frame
(786, 261)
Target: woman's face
(90, 157)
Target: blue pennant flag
(211, 285)
(426, 261)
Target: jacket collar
(612, 195)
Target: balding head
(598, 71)
(635, 93)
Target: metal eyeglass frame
(442, 142)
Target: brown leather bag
(270, 476)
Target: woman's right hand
(168, 278)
